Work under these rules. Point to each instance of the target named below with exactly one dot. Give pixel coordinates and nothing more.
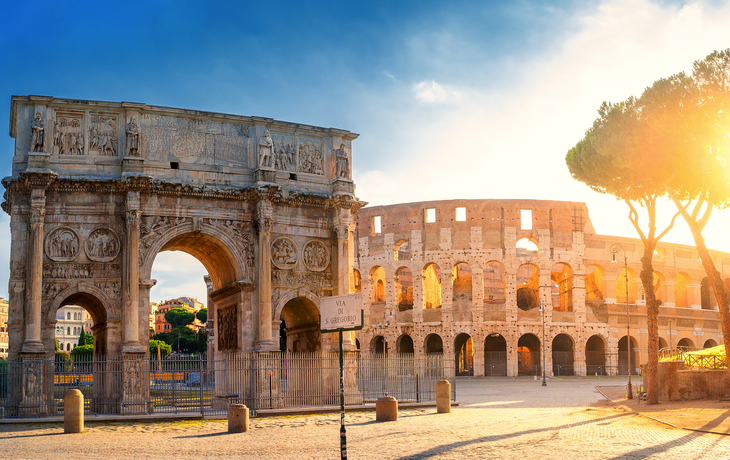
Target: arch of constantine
(467, 278)
(98, 189)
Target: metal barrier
(193, 384)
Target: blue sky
(458, 99)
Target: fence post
(200, 382)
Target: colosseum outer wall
(431, 271)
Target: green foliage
(57, 346)
(63, 361)
(202, 341)
(187, 338)
(179, 317)
(85, 339)
(83, 352)
(165, 349)
(202, 315)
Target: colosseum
(504, 287)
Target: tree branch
(634, 218)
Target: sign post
(338, 314)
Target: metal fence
(193, 384)
(695, 359)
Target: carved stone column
(264, 216)
(32, 342)
(130, 276)
(345, 266)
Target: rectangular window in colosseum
(526, 219)
(430, 215)
(377, 225)
(460, 214)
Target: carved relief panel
(228, 328)
(62, 245)
(285, 152)
(284, 253)
(68, 133)
(311, 155)
(103, 134)
(102, 245)
(316, 256)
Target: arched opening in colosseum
(379, 345)
(528, 355)
(357, 280)
(431, 286)
(624, 347)
(300, 324)
(686, 344)
(434, 344)
(562, 355)
(464, 352)
(402, 251)
(495, 355)
(494, 283)
(709, 301)
(528, 283)
(526, 248)
(404, 344)
(660, 287)
(377, 281)
(621, 293)
(709, 343)
(682, 293)
(596, 356)
(595, 283)
(461, 279)
(561, 276)
(404, 289)
(662, 343)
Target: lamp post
(542, 309)
(614, 249)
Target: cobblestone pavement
(497, 419)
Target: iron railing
(273, 380)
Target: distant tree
(619, 156)
(179, 317)
(202, 341)
(63, 361)
(82, 352)
(165, 349)
(202, 315)
(57, 346)
(85, 339)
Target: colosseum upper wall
(467, 278)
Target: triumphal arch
(98, 189)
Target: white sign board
(341, 312)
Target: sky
(459, 99)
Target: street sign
(342, 312)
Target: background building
(186, 303)
(70, 320)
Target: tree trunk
(717, 284)
(652, 320)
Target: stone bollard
(443, 397)
(237, 418)
(73, 412)
(386, 409)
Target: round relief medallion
(315, 255)
(102, 245)
(284, 253)
(62, 245)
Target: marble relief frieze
(103, 134)
(68, 133)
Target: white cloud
(431, 92)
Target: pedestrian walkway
(497, 419)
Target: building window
(460, 214)
(430, 215)
(526, 219)
(68, 331)
(68, 315)
(377, 225)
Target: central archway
(300, 323)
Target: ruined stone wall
(572, 276)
